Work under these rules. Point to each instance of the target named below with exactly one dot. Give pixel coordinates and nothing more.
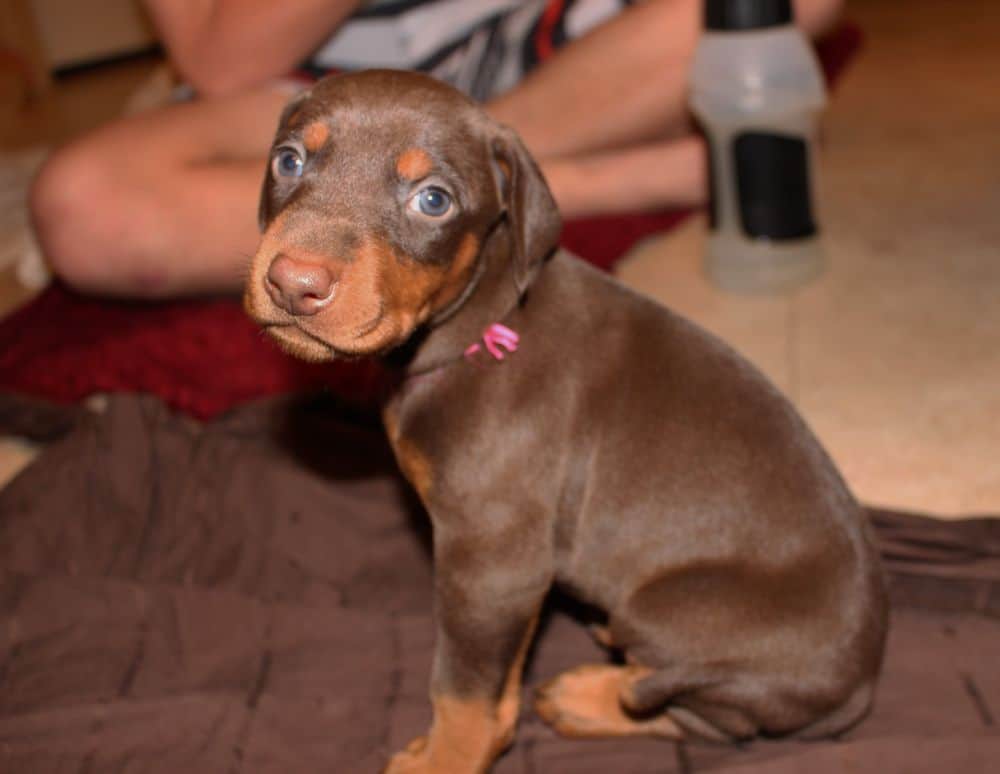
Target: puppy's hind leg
(587, 702)
(680, 694)
(727, 705)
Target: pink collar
(495, 337)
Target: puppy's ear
(531, 212)
(264, 208)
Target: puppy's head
(381, 190)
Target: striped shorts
(482, 47)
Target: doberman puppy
(562, 429)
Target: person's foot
(18, 247)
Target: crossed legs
(162, 203)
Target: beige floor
(894, 354)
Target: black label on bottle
(772, 186)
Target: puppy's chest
(411, 456)
(449, 444)
(421, 437)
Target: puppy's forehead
(391, 87)
(412, 108)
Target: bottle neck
(743, 15)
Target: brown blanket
(253, 595)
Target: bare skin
(164, 203)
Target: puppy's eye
(432, 201)
(288, 162)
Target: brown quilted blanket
(253, 596)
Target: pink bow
(494, 337)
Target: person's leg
(624, 84)
(159, 204)
(164, 203)
(668, 173)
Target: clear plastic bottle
(757, 90)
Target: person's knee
(78, 212)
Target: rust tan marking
(390, 421)
(467, 734)
(586, 702)
(412, 292)
(315, 135)
(465, 738)
(355, 321)
(378, 302)
(510, 701)
(381, 295)
(459, 271)
(415, 466)
(414, 164)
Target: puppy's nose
(299, 287)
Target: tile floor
(894, 354)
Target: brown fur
(621, 452)
(510, 700)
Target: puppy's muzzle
(301, 288)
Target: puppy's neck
(492, 298)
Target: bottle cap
(746, 14)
